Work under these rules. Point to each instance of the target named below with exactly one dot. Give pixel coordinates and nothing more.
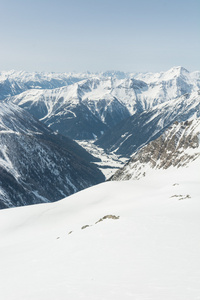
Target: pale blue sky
(99, 35)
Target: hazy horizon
(96, 36)
(94, 72)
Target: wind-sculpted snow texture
(118, 240)
(37, 165)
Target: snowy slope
(86, 109)
(37, 165)
(15, 82)
(175, 148)
(124, 140)
(168, 85)
(139, 129)
(122, 111)
(147, 249)
(82, 111)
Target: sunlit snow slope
(146, 247)
(15, 82)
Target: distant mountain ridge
(15, 82)
(88, 108)
(119, 112)
(135, 236)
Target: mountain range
(139, 129)
(15, 82)
(112, 115)
(89, 108)
(135, 236)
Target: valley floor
(150, 252)
(109, 162)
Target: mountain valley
(37, 165)
(112, 114)
(135, 236)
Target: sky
(99, 35)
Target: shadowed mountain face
(37, 165)
(141, 128)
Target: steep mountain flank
(176, 147)
(37, 165)
(139, 129)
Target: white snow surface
(23, 76)
(140, 92)
(150, 252)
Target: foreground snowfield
(150, 252)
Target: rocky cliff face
(176, 147)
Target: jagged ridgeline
(121, 112)
(37, 165)
(87, 106)
(141, 128)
